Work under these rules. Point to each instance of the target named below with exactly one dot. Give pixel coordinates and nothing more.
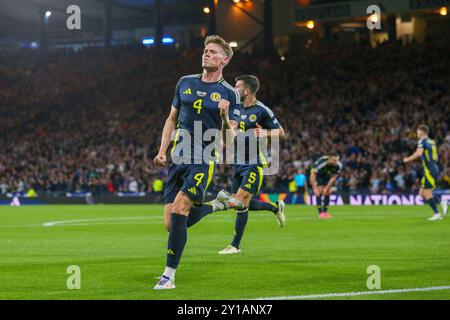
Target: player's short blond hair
(220, 42)
(424, 129)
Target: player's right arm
(415, 155)
(169, 127)
(312, 179)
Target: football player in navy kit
(324, 173)
(251, 115)
(201, 101)
(427, 152)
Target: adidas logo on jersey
(248, 185)
(187, 91)
(192, 190)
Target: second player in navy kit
(248, 169)
(253, 117)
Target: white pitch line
(20, 225)
(353, 294)
(84, 222)
(54, 223)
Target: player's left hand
(260, 132)
(224, 106)
(405, 160)
(316, 191)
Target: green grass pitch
(120, 249)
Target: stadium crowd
(92, 120)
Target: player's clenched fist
(224, 106)
(160, 160)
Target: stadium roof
(20, 18)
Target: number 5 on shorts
(252, 177)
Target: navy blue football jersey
(322, 168)
(247, 118)
(198, 104)
(430, 155)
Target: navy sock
(256, 205)
(239, 227)
(432, 203)
(319, 204)
(177, 239)
(197, 213)
(326, 202)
